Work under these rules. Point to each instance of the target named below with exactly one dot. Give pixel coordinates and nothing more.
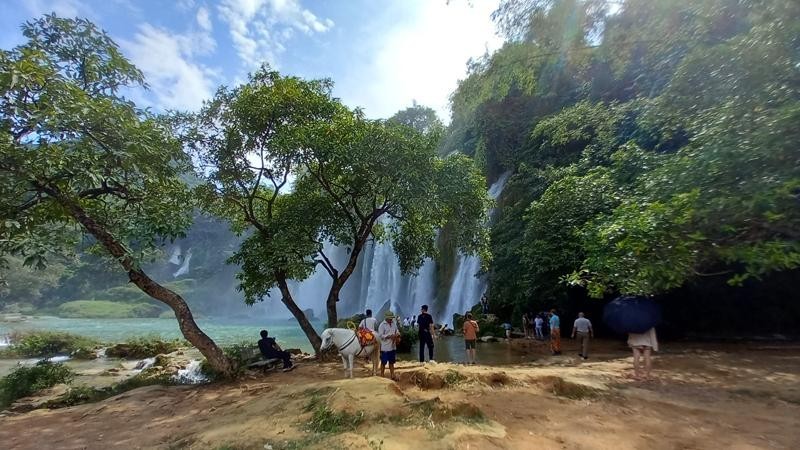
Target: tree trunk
(339, 281)
(308, 329)
(207, 347)
(330, 303)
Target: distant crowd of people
(537, 326)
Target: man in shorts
(470, 337)
(388, 335)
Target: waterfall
(184, 269)
(192, 374)
(378, 283)
(467, 288)
(175, 257)
(145, 364)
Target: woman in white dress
(643, 344)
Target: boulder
(488, 338)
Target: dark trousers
(285, 356)
(425, 339)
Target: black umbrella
(631, 314)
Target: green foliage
(43, 344)
(408, 338)
(326, 420)
(639, 164)
(351, 175)
(100, 309)
(24, 381)
(143, 347)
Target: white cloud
(167, 62)
(422, 58)
(204, 19)
(260, 29)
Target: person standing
(413, 322)
(484, 304)
(538, 322)
(526, 325)
(643, 344)
(507, 326)
(426, 333)
(389, 335)
(555, 333)
(369, 322)
(583, 328)
(470, 337)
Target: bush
(104, 309)
(43, 344)
(408, 337)
(356, 319)
(143, 347)
(24, 381)
(241, 355)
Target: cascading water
(184, 269)
(467, 288)
(192, 374)
(378, 284)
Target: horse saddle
(365, 337)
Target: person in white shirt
(369, 322)
(538, 322)
(405, 322)
(389, 336)
(583, 328)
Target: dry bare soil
(742, 396)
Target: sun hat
(388, 315)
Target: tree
(354, 179)
(76, 157)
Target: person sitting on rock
(270, 349)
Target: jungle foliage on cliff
(652, 144)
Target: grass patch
(43, 344)
(24, 381)
(298, 444)
(144, 347)
(104, 309)
(324, 420)
(453, 378)
(573, 391)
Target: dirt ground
(742, 396)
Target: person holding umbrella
(643, 344)
(637, 316)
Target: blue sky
(382, 54)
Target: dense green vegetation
(651, 147)
(24, 381)
(44, 344)
(355, 179)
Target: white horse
(347, 343)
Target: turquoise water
(288, 333)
